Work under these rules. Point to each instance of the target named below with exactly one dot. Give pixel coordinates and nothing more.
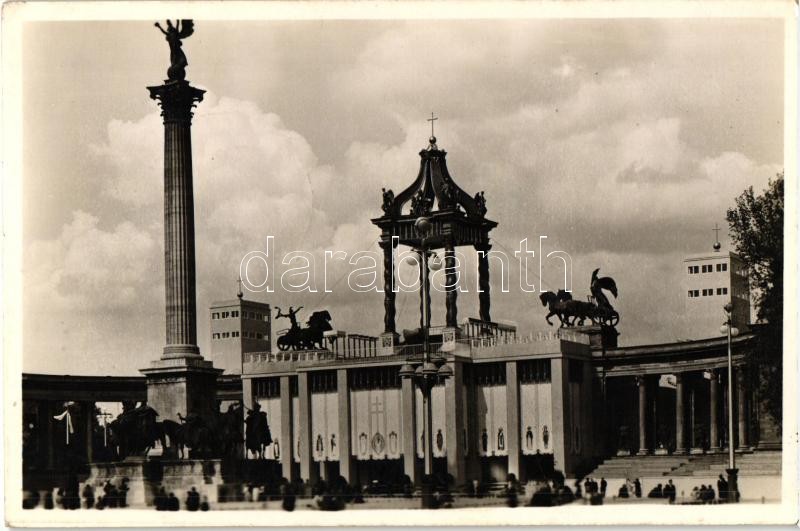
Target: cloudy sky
(622, 141)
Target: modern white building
(710, 281)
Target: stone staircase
(638, 466)
(762, 463)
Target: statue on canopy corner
(388, 201)
(174, 34)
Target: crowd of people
(337, 493)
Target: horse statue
(563, 306)
(136, 430)
(199, 435)
(257, 434)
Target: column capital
(177, 99)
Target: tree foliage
(756, 227)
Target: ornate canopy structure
(457, 219)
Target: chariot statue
(309, 338)
(597, 309)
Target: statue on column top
(174, 34)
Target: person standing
(722, 488)
(603, 487)
(637, 488)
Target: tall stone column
(483, 281)
(680, 438)
(642, 383)
(451, 288)
(181, 381)
(741, 408)
(177, 98)
(713, 413)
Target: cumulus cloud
(622, 142)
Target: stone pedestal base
(623, 453)
(714, 450)
(661, 451)
(145, 477)
(181, 385)
(696, 451)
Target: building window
(696, 293)
(322, 381)
(724, 291)
(259, 336)
(694, 270)
(226, 335)
(235, 313)
(258, 317)
(266, 317)
(534, 371)
(267, 387)
(234, 334)
(691, 293)
(215, 335)
(215, 315)
(707, 292)
(374, 378)
(722, 267)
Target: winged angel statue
(174, 34)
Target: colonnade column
(454, 423)
(680, 439)
(409, 429)
(343, 398)
(307, 469)
(512, 420)
(88, 410)
(286, 428)
(640, 381)
(741, 406)
(713, 413)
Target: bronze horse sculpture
(563, 306)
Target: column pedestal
(181, 385)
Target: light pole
(731, 331)
(427, 372)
